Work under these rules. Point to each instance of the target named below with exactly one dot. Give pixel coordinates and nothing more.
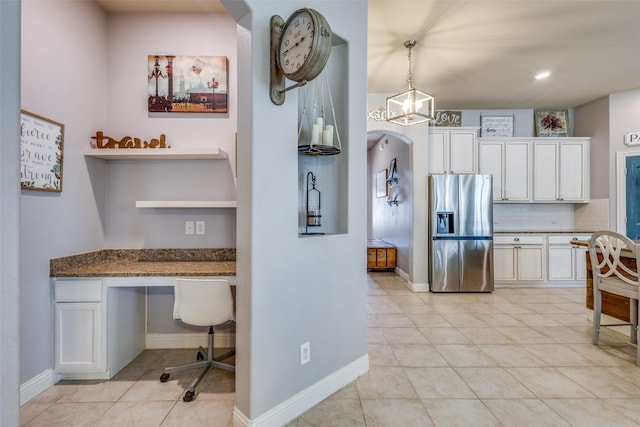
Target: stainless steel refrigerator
(460, 233)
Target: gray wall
(392, 223)
(63, 78)
(9, 211)
(624, 118)
(292, 289)
(592, 120)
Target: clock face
(296, 42)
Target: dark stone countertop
(146, 262)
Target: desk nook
(100, 302)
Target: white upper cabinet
(536, 170)
(510, 164)
(561, 171)
(452, 150)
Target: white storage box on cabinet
(561, 171)
(509, 162)
(452, 150)
(567, 262)
(79, 344)
(519, 258)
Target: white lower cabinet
(566, 262)
(97, 329)
(519, 258)
(78, 326)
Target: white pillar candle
(316, 133)
(327, 135)
(320, 121)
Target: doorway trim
(621, 206)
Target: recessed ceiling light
(543, 75)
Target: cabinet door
(78, 336)
(438, 151)
(517, 171)
(492, 162)
(561, 264)
(504, 262)
(572, 171)
(462, 154)
(546, 161)
(531, 265)
(580, 257)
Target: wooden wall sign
(103, 141)
(41, 147)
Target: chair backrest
(611, 245)
(203, 302)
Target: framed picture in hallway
(187, 84)
(41, 148)
(381, 183)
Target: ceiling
(483, 54)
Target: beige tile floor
(515, 357)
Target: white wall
(64, 78)
(292, 289)
(9, 211)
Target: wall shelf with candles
(322, 167)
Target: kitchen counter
(146, 262)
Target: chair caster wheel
(164, 377)
(188, 396)
(199, 356)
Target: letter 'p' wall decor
(41, 147)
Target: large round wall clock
(300, 48)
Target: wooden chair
(611, 275)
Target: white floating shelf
(156, 153)
(190, 204)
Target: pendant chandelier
(412, 106)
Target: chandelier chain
(410, 78)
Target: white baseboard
(36, 385)
(190, 340)
(418, 287)
(400, 272)
(306, 399)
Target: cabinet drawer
(518, 240)
(566, 239)
(77, 290)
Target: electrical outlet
(200, 227)
(305, 353)
(189, 227)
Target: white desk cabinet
(509, 162)
(100, 323)
(567, 262)
(519, 258)
(452, 150)
(97, 329)
(78, 322)
(561, 171)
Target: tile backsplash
(551, 216)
